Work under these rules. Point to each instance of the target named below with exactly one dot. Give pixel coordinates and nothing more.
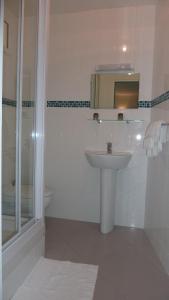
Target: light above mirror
(124, 48)
(115, 90)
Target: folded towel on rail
(156, 134)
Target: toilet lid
(26, 191)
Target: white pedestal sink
(109, 164)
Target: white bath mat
(57, 280)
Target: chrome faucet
(109, 148)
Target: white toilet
(8, 199)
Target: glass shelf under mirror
(117, 121)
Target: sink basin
(109, 164)
(104, 160)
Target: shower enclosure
(25, 26)
(19, 115)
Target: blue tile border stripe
(160, 99)
(25, 103)
(84, 103)
(68, 103)
(9, 102)
(81, 104)
(73, 103)
(144, 104)
(28, 103)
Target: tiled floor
(128, 267)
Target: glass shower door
(9, 113)
(30, 42)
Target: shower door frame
(43, 32)
(43, 21)
(1, 68)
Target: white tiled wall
(157, 202)
(79, 42)
(161, 50)
(75, 183)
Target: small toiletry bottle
(120, 116)
(95, 116)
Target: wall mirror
(115, 90)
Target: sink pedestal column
(107, 201)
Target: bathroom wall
(79, 42)
(161, 50)
(157, 202)
(75, 183)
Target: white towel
(156, 134)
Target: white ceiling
(69, 6)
